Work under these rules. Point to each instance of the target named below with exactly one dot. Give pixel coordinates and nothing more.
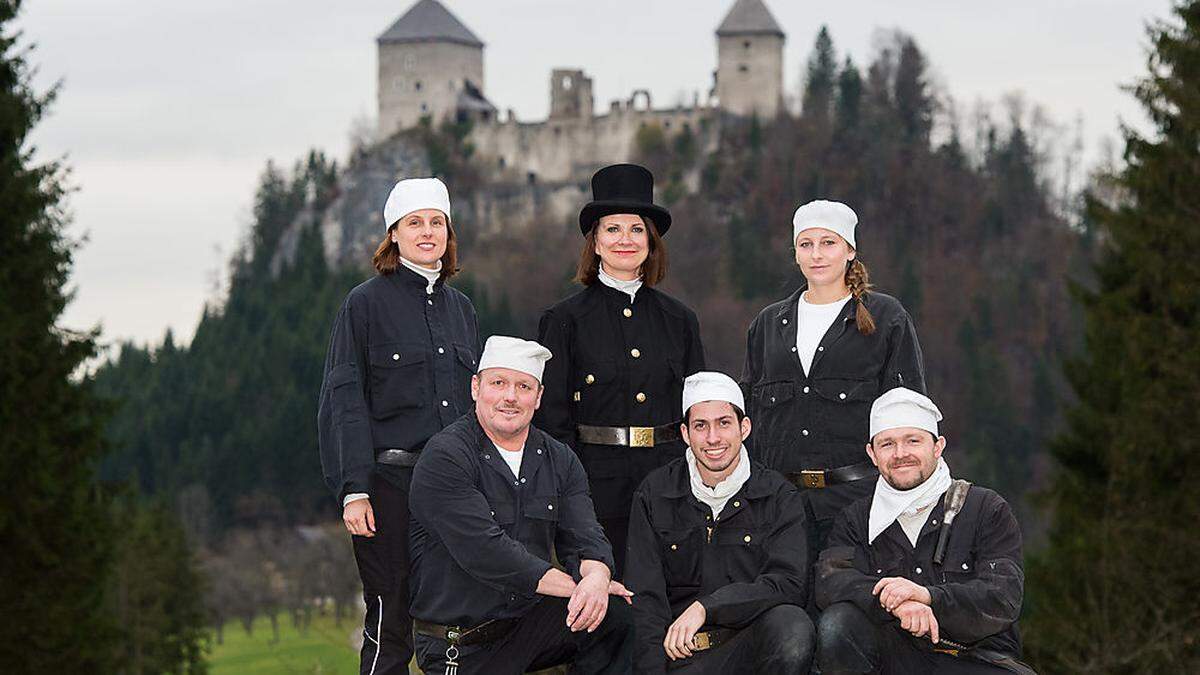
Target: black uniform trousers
(851, 643)
(540, 640)
(780, 640)
(383, 566)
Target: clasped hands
(910, 602)
(587, 602)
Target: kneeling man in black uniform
(717, 558)
(492, 500)
(925, 575)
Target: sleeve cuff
(353, 497)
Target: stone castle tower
(429, 64)
(750, 61)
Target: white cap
(834, 216)
(902, 407)
(711, 386)
(526, 356)
(414, 194)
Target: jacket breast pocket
(504, 512)
(769, 405)
(741, 550)
(398, 379)
(681, 552)
(958, 568)
(846, 407)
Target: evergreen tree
(819, 80)
(914, 102)
(53, 524)
(1116, 589)
(849, 98)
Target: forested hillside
(959, 221)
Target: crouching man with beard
(717, 557)
(493, 500)
(925, 575)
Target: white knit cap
(902, 407)
(834, 216)
(711, 386)
(414, 194)
(526, 356)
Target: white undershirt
(630, 288)
(431, 275)
(812, 322)
(512, 459)
(912, 524)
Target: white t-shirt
(512, 459)
(813, 322)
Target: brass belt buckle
(813, 479)
(453, 634)
(641, 437)
(701, 642)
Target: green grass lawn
(324, 648)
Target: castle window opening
(410, 62)
(417, 85)
(566, 82)
(743, 68)
(746, 44)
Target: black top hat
(623, 188)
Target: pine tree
(849, 98)
(54, 526)
(819, 81)
(1116, 589)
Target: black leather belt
(825, 477)
(712, 638)
(397, 457)
(488, 631)
(633, 437)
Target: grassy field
(324, 648)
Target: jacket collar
(678, 483)
(531, 459)
(408, 279)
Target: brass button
(736, 504)
(746, 539)
(635, 353)
(627, 312)
(674, 547)
(641, 398)
(590, 379)
(577, 398)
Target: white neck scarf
(715, 497)
(431, 275)
(628, 287)
(888, 504)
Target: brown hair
(859, 281)
(654, 269)
(387, 254)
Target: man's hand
(894, 591)
(917, 619)
(678, 642)
(359, 518)
(589, 602)
(618, 589)
(556, 584)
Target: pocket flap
(773, 393)
(600, 372)
(846, 391)
(503, 511)
(343, 374)
(395, 355)
(542, 507)
(466, 356)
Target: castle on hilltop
(431, 65)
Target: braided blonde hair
(859, 281)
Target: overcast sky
(170, 110)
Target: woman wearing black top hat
(621, 349)
(816, 360)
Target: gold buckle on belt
(701, 642)
(813, 479)
(641, 437)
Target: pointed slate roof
(429, 21)
(749, 17)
